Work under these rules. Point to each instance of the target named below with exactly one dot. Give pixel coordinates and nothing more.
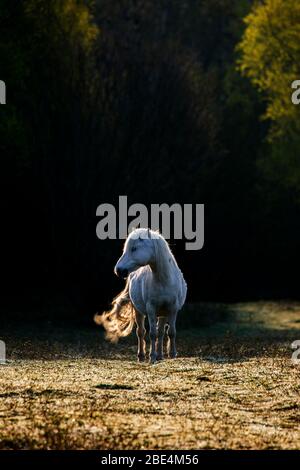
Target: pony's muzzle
(121, 272)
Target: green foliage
(69, 19)
(270, 57)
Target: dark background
(143, 99)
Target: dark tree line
(144, 99)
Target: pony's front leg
(172, 336)
(152, 332)
(160, 337)
(140, 332)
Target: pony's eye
(133, 249)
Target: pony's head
(142, 247)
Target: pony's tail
(119, 321)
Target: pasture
(233, 386)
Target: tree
(270, 57)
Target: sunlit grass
(233, 386)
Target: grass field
(232, 386)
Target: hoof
(141, 358)
(160, 358)
(173, 355)
(152, 360)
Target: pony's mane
(164, 258)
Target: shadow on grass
(114, 387)
(212, 332)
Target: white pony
(155, 287)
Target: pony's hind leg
(172, 336)
(152, 332)
(161, 324)
(140, 332)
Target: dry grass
(233, 386)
